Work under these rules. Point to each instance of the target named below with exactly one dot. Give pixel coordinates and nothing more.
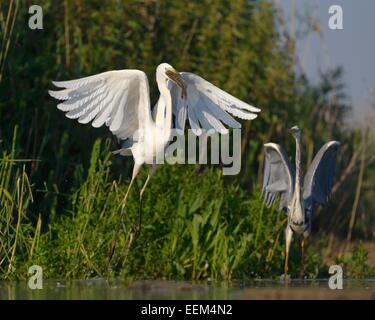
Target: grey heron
(120, 100)
(282, 179)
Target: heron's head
(296, 132)
(169, 73)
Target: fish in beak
(175, 76)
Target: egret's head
(170, 74)
(296, 131)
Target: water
(160, 289)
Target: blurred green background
(60, 187)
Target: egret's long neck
(164, 111)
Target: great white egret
(120, 99)
(281, 178)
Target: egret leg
(150, 174)
(288, 240)
(136, 169)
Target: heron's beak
(175, 76)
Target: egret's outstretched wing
(119, 98)
(207, 106)
(279, 175)
(319, 178)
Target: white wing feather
(207, 106)
(120, 99)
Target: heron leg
(288, 240)
(302, 274)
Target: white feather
(208, 107)
(105, 98)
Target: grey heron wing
(279, 176)
(207, 107)
(319, 177)
(119, 98)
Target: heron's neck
(297, 187)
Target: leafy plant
(355, 263)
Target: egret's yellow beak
(175, 76)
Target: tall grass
(18, 239)
(194, 227)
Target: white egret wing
(120, 99)
(207, 106)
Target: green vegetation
(356, 264)
(60, 187)
(194, 227)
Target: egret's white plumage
(120, 99)
(207, 106)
